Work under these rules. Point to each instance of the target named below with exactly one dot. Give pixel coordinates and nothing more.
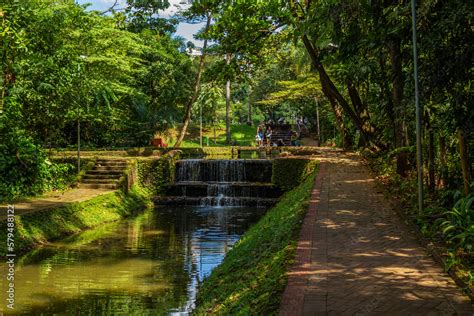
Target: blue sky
(184, 29)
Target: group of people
(264, 134)
(301, 124)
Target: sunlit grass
(242, 135)
(50, 224)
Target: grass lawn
(243, 135)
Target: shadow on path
(360, 259)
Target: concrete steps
(215, 201)
(285, 136)
(105, 174)
(98, 186)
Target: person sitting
(281, 120)
(268, 135)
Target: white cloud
(102, 4)
(185, 30)
(175, 7)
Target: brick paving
(355, 257)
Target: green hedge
(206, 151)
(252, 278)
(289, 172)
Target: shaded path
(54, 200)
(355, 257)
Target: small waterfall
(211, 170)
(220, 194)
(188, 170)
(219, 189)
(240, 182)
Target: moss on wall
(155, 174)
(206, 151)
(288, 172)
(151, 152)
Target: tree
(204, 10)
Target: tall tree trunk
(249, 119)
(338, 114)
(335, 97)
(228, 138)
(384, 87)
(367, 130)
(359, 107)
(466, 174)
(197, 85)
(397, 97)
(431, 161)
(317, 122)
(443, 162)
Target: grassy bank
(252, 277)
(39, 227)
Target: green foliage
(208, 102)
(243, 135)
(155, 174)
(24, 168)
(39, 227)
(287, 173)
(253, 275)
(457, 226)
(71, 65)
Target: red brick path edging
(293, 297)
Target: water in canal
(147, 265)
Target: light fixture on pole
(419, 157)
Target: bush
(155, 174)
(24, 167)
(289, 172)
(457, 226)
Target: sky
(185, 30)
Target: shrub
(289, 172)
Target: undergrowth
(447, 221)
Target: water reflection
(147, 265)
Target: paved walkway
(53, 200)
(354, 256)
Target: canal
(146, 265)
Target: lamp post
(419, 157)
